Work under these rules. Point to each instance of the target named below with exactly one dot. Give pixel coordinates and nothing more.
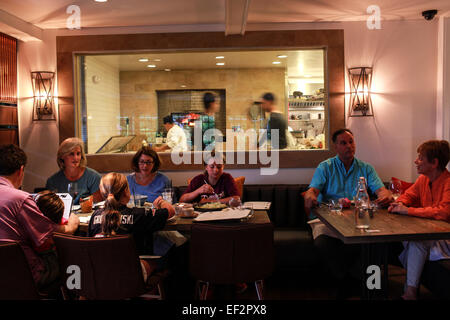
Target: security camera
(429, 14)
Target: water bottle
(362, 205)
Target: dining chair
(16, 280)
(109, 268)
(231, 254)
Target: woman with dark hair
(146, 179)
(428, 197)
(115, 191)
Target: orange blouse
(427, 202)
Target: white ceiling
(50, 14)
(298, 63)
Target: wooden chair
(16, 280)
(110, 267)
(231, 254)
(239, 184)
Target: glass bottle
(362, 205)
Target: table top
(392, 227)
(185, 224)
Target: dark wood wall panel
(8, 90)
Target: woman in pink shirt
(428, 197)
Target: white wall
(404, 59)
(103, 102)
(38, 139)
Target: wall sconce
(43, 100)
(360, 101)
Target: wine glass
(396, 188)
(72, 189)
(235, 203)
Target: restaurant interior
(108, 72)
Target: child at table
(50, 205)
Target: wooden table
(392, 228)
(185, 224)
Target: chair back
(109, 267)
(228, 254)
(16, 280)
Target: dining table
(384, 228)
(184, 224)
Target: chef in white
(176, 138)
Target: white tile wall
(103, 102)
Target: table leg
(374, 271)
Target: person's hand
(158, 202)
(205, 189)
(384, 198)
(74, 220)
(398, 207)
(310, 199)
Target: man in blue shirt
(337, 178)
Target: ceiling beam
(18, 28)
(236, 13)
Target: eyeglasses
(145, 162)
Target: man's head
(432, 155)
(168, 122)
(12, 163)
(344, 143)
(210, 103)
(268, 102)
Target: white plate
(76, 207)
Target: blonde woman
(71, 160)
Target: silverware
(217, 196)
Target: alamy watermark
(74, 20)
(258, 153)
(374, 20)
(374, 280)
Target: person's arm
(71, 226)
(160, 203)
(384, 197)
(191, 196)
(310, 197)
(161, 148)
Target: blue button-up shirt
(334, 182)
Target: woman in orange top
(428, 197)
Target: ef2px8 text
(246, 309)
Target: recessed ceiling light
(151, 66)
(101, 0)
(276, 62)
(220, 57)
(157, 60)
(183, 86)
(282, 56)
(143, 60)
(167, 69)
(220, 63)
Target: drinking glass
(335, 206)
(395, 187)
(362, 216)
(167, 195)
(235, 203)
(72, 189)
